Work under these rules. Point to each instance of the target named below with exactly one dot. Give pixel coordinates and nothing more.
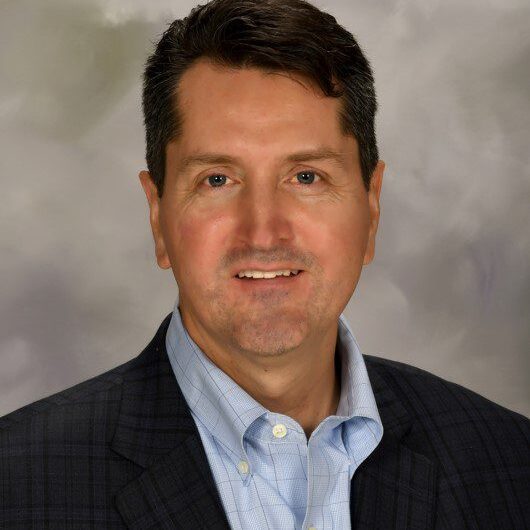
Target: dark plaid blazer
(122, 451)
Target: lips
(280, 276)
(267, 275)
(269, 283)
(264, 268)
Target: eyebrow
(320, 154)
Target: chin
(266, 337)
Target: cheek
(194, 243)
(338, 240)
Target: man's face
(261, 178)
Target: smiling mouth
(277, 281)
(245, 279)
(278, 277)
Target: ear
(374, 193)
(153, 199)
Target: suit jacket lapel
(395, 487)
(156, 431)
(175, 491)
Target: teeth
(262, 274)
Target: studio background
(449, 289)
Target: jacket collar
(176, 489)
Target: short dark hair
(275, 35)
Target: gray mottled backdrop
(449, 289)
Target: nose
(264, 217)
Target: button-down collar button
(279, 430)
(243, 467)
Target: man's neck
(306, 395)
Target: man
(253, 407)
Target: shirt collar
(227, 411)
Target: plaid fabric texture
(272, 482)
(122, 451)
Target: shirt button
(243, 467)
(279, 430)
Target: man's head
(261, 154)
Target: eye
(216, 180)
(307, 176)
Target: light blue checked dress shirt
(268, 474)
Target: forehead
(250, 107)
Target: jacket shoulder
(62, 458)
(426, 394)
(453, 423)
(78, 403)
(86, 391)
(103, 388)
(60, 447)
